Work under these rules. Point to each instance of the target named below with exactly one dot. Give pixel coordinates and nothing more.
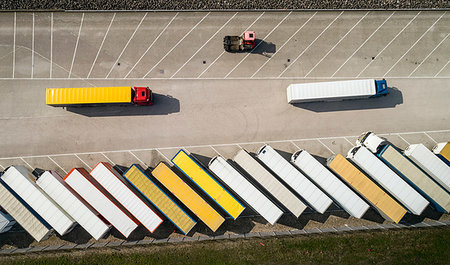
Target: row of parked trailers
(375, 173)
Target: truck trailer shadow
(391, 100)
(163, 105)
(264, 48)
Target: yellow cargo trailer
(383, 202)
(188, 196)
(159, 199)
(209, 185)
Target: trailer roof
(87, 95)
(269, 182)
(159, 199)
(188, 196)
(208, 184)
(249, 193)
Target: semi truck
(23, 213)
(371, 141)
(208, 184)
(239, 43)
(22, 182)
(336, 90)
(88, 218)
(270, 183)
(442, 150)
(6, 222)
(389, 180)
(429, 163)
(114, 183)
(334, 187)
(244, 189)
(188, 196)
(98, 96)
(388, 208)
(93, 193)
(143, 184)
(318, 200)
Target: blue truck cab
(382, 88)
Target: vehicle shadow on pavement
(163, 105)
(19, 239)
(428, 213)
(264, 48)
(391, 100)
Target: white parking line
(296, 146)
(318, 36)
(57, 164)
(325, 146)
(151, 45)
(430, 137)
(343, 37)
(254, 49)
(108, 159)
(441, 69)
(27, 163)
(76, 45)
(126, 45)
(51, 44)
(164, 57)
(14, 47)
(216, 151)
(403, 139)
(165, 157)
(140, 161)
(224, 51)
(398, 34)
(437, 46)
(101, 45)
(83, 162)
(198, 50)
(295, 33)
(32, 48)
(414, 44)
(373, 33)
(348, 141)
(2, 167)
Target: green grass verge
(416, 246)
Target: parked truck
(334, 187)
(53, 184)
(239, 43)
(33, 223)
(270, 183)
(244, 189)
(386, 178)
(318, 200)
(430, 163)
(442, 150)
(22, 182)
(6, 222)
(97, 96)
(336, 90)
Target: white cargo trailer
(296, 180)
(23, 213)
(390, 181)
(6, 222)
(438, 197)
(342, 194)
(92, 192)
(430, 163)
(270, 183)
(442, 150)
(52, 183)
(336, 90)
(21, 181)
(114, 183)
(249, 193)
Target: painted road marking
(414, 44)
(101, 45)
(318, 36)
(248, 54)
(398, 34)
(140, 161)
(437, 46)
(76, 45)
(164, 57)
(325, 146)
(295, 33)
(126, 45)
(57, 164)
(403, 139)
(441, 69)
(83, 161)
(32, 48)
(14, 46)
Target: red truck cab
(249, 39)
(143, 96)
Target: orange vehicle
(239, 43)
